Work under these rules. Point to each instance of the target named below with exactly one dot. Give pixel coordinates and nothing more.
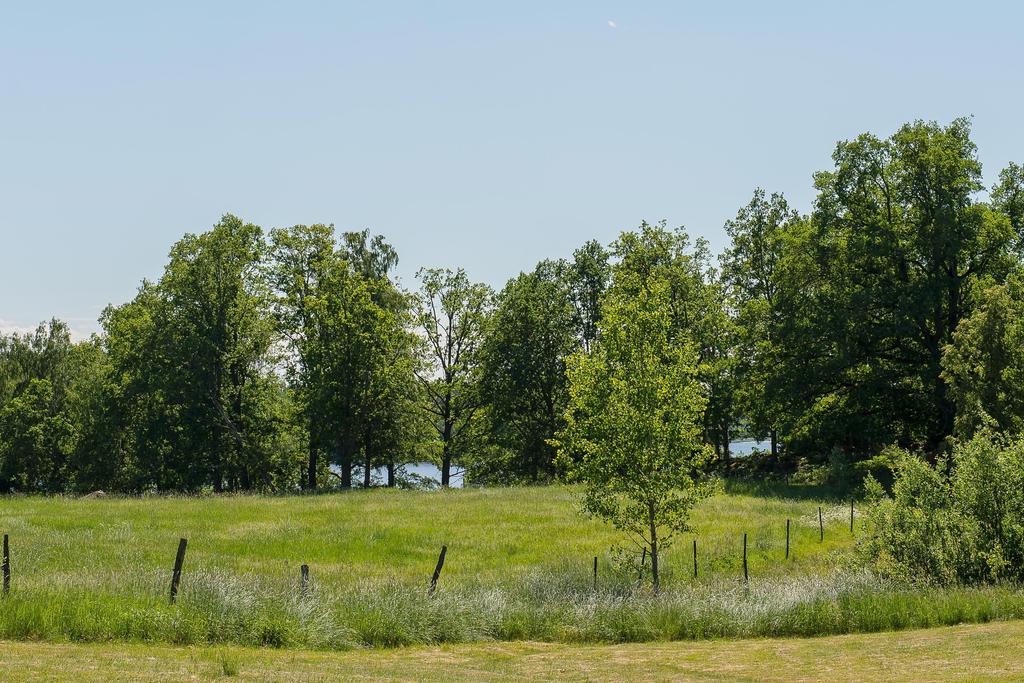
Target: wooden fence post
(304, 569)
(695, 558)
(437, 569)
(179, 559)
(851, 515)
(787, 539)
(7, 566)
(745, 577)
(821, 527)
(595, 572)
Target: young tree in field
(452, 316)
(696, 311)
(633, 423)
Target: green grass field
(989, 652)
(492, 534)
(518, 568)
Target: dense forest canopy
(890, 313)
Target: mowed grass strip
(988, 652)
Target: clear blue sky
(469, 134)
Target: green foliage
(588, 275)
(984, 363)
(695, 304)
(888, 315)
(452, 317)
(196, 400)
(40, 438)
(51, 409)
(633, 424)
(754, 275)
(529, 336)
(352, 355)
(870, 289)
(1008, 198)
(964, 527)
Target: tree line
(889, 314)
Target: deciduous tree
(452, 318)
(633, 423)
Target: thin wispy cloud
(612, 24)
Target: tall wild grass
(221, 608)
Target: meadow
(519, 567)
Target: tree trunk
(311, 471)
(391, 475)
(775, 445)
(947, 417)
(446, 449)
(218, 459)
(654, 549)
(345, 450)
(367, 471)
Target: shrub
(960, 521)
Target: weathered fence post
(851, 515)
(821, 527)
(595, 572)
(179, 559)
(695, 558)
(437, 569)
(745, 577)
(304, 569)
(7, 566)
(787, 539)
